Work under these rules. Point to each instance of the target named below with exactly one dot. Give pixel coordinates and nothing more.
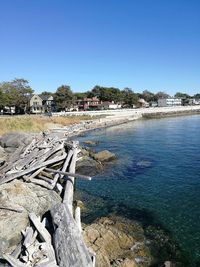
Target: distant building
(169, 102)
(142, 103)
(39, 104)
(88, 103)
(194, 102)
(110, 105)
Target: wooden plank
(65, 165)
(14, 262)
(69, 188)
(44, 235)
(69, 174)
(77, 217)
(13, 176)
(69, 245)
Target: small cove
(156, 176)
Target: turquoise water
(157, 173)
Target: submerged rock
(144, 163)
(112, 239)
(27, 197)
(104, 156)
(88, 166)
(91, 142)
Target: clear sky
(142, 44)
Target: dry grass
(35, 123)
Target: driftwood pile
(57, 240)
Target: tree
(148, 96)
(47, 94)
(161, 95)
(80, 95)
(182, 95)
(129, 97)
(196, 96)
(16, 94)
(63, 97)
(106, 93)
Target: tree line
(17, 93)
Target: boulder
(104, 156)
(29, 198)
(3, 155)
(11, 141)
(88, 166)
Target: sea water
(157, 175)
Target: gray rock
(104, 156)
(13, 140)
(88, 166)
(3, 154)
(30, 197)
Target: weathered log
(14, 262)
(69, 174)
(17, 251)
(65, 165)
(28, 148)
(69, 188)
(33, 175)
(44, 235)
(70, 248)
(29, 237)
(13, 176)
(77, 217)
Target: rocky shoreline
(111, 237)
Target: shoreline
(117, 117)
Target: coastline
(112, 120)
(116, 117)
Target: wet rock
(29, 198)
(91, 142)
(88, 166)
(104, 156)
(112, 239)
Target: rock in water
(88, 166)
(112, 239)
(144, 163)
(91, 142)
(28, 197)
(104, 156)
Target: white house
(110, 105)
(169, 102)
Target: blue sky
(142, 44)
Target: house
(169, 102)
(142, 103)
(194, 102)
(39, 104)
(88, 103)
(110, 105)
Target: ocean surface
(156, 175)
